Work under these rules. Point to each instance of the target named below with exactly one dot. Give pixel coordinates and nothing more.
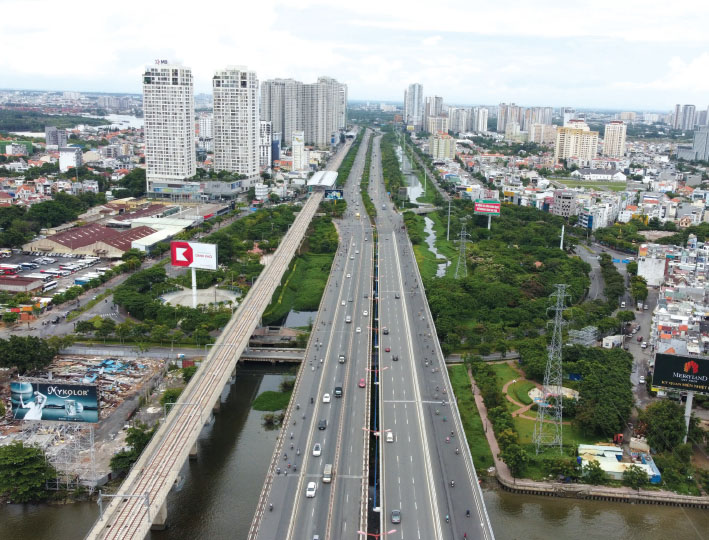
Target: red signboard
(487, 208)
(181, 253)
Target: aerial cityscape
(355, 271)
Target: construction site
(81, 451)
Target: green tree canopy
(665, 425)
(24, 472)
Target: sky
(615, 54)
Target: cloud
(431, 41)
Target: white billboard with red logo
(194, 255)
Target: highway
(338, 508)
(143, 493)
(421, 461)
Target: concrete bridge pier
(160, 519)
(193, 451)
(217, 406)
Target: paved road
(335, 511)
(595, 290)
(418, 466)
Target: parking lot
(52, 263)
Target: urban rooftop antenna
(548, 429)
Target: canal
(221, 488)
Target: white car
(365, 313)
(311, 489)
(342, 303)
(390, 436)
(326, 398)
(317, 449)
(356, 252)
(358, 330)
(349, 275)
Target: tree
(638, 288)
(665, 425)
(24, 472)
(188, 372)
(159, 333)
(625, 316)
(85, 327)
(516, 459)
(137, 437)
(635, 477)
(171, 395)
(594, 474)
(10, 318)
(133, 253)
(27, 353)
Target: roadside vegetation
(344, 171)
(20, 120)
(364, 183)
(303, 284)
(391, 171)
(24, 472)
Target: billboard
(334, 194)
(194, 255)
(487, 208)
(49, 400)
(681, 372)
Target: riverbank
(573, 490)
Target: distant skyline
(632, 55)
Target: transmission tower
(461, 269)
(547, 431)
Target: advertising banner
(487, 208)
(675, 372)
(50, 400)
(334, 194)
(194, 255)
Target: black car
(397, 295)
(338, 391)
(395, 358)
(385, 330)
(322, 424)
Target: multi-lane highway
(143, 493)
(337, 509)
(427, 470)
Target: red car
(640, 338)
(388, 349)
(361, 383)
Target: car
(338, 391)
(640, 338)
(311, 489)
(317, 449)
(352, 257)
(356, 252)
(643, 345)
(365, 313)
(395, 358)
(348, 319)
(343, 303)
(622, 304)
(385, 331)
(395, 515)
(362, 384)
(326, 398)
(349, 275)
(342, 358)
(641, 379)
(397, 295)
(322, 424)
(358, 330)
(645, 306)
(349, 300)
(387, 349)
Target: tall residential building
(434, 106)
(236, 121)
(459, 119)
(70, 157)
(442, 146)
(677, 117)
(265, 144)
(300, 156)
(413, 106)
(55, 137)
(437, 123)
(700, 147)
(614, 139)
(576, 141)
(282, 104)
(508, 113)
(480, 118)
(688, 120)
(541, 134)
(168, 125)
(206, 126)
(568, 114)
(629, 116)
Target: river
(219, 495)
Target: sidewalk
(579, 491)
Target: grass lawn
(613, 186)
(482, 456)
(520, 391)
(505, 373)
(271, 401)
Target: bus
(49, 286)
(43, 277)
(55, 273)
(10, 269)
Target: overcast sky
(624, 54)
